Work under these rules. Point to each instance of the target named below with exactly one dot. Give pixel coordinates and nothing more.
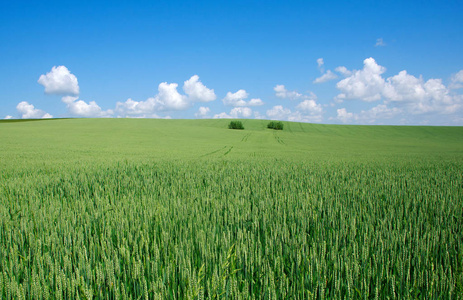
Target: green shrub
(275, 125)
(235, 125)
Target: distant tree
(235, 125)
(275, 125)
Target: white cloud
(406, 90)
(366, 84)
(371, 116)
(197, 91)
(222, 115)
(237, 112)
(307, 111)
(59, 81)
(170, 99)
(420, 96)
(326, 77)
(300, 117)
(404, 87)
(146, 116)
(343, 70)
(279, 112)
(255, 102)
(69, 99)
(81, 108)
(241, 112)
(379, 112)
(237, 99)
(8, 117)
(380, 43)
(343, 115)
(401, 94)
(203, 112)
(131, 108)
(167, 99)
(457, 80)
(28, 111)
(310, 106)
(283, 93)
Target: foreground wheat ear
(188, 209)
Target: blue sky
(340, 62)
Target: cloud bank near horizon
(385, 98)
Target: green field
(183, 209)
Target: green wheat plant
(187, 209)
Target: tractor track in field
(229, 150)
(213, 152)
(278, 139)
(245, 138)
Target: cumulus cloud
(310, 106)
(307, 111)
(320, 63)
(283, 93)
(203, 112)
(366, 84)
(420, 96)
(131, 108)
(237, 112)
(457, 80)
(255, 102)
(197, 91)
(241, 112)
(28, 111)
(150, 116)
(343, 70)
(373, 115)
(343, 115)
(380, 43)
(401, 94)
(237, 99)
(406, 90)
(167, 99)
(8, 117)
(69, 99)
(80, 108)
(222, 115)
(59, 81)
(170, 99)
(326, 77)
(379, 112)
(279, 112)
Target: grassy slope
(71, 140)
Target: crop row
(233, 229)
